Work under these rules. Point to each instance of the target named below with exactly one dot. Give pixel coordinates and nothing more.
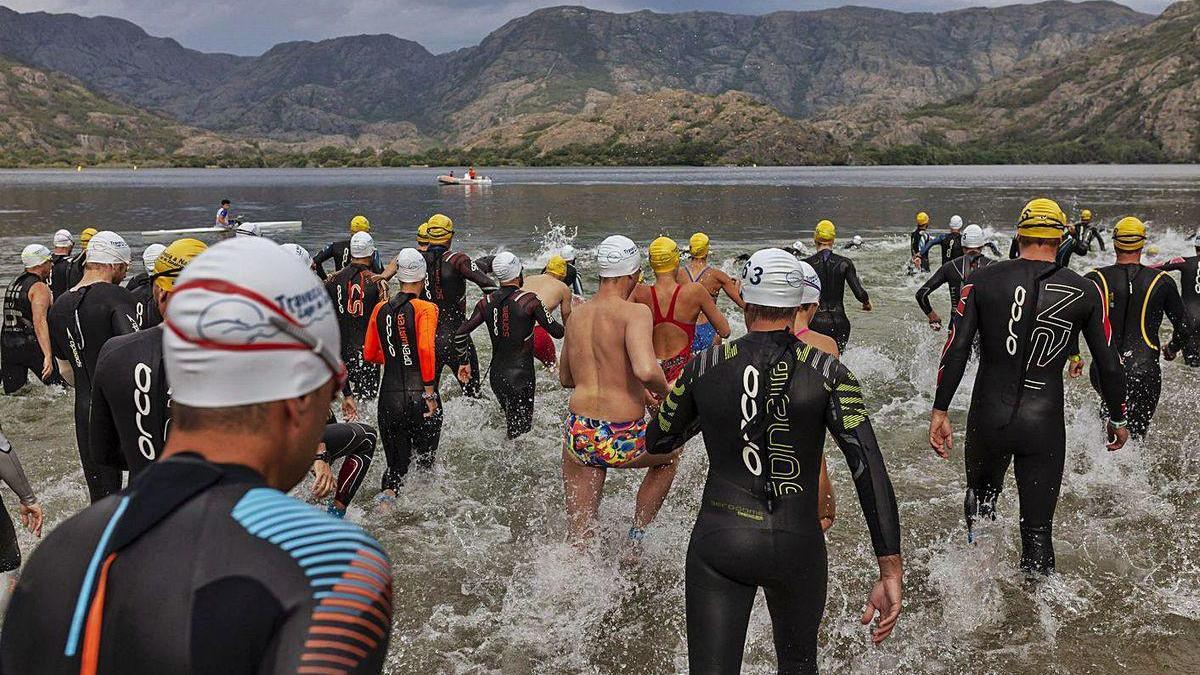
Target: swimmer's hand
(1117, 437)
(349, 409)
(941, 434)
(48, 367)
(886, 599)
(1075, 368)
(935, 321)
(323, 484)
(31, 517)
(866, 306)
(464, 373)
(1169, 352)
(431, 405)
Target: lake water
(484, 583)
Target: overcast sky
(253, 26)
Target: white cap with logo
(956, 222)
(151, 254)
(410, 266)
(34, 255)
(249, 323)
(773, 277)
(618, 256)
(973, 237)
(362, 245)
(109, 248)
(63, 238)
(506, 266)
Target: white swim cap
(362, 245)
(618, 256)
(410, 266)
(972, 237)
(248, 230)
(568, 253)
(812, 284)
(956, 222)
(63, 238)
(34, 255)
(151, 254)
(506, 266)
(108, 247)
(857, 239)
(773, 277)
(300, 252)
(249, 323)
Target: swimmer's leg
(653, 491)
(986, 465)
(1039, 478)
(583, 486)
(718, 613)
(1144, 389)
(797, 602)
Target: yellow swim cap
(922, 218)
(360, 224)
(173, 259)
(825, 232)
(1129, 234)
(664, 255)
(440, 229)
(86, 235)
(423, 233)
(698, 245)
(1042, 219)
(556, 266)
(1086, 216)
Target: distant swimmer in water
(25, 334)
(142, 289)
(81, 321)
(764, 404)
(1189, 278)
(950, 242)
(355, 291)
(552, 289)
(855, 242)
(511, 313)
(836, 273)
(1138, 296)
(204, 564)
(954, 274)
(1028, 314)
(339, 252)
(572, 279)
(1088, 233)
(31, 517)
(609, 364)
(60, 260)
(917, 242)
(714, 280)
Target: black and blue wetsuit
(1028, 315)
(763, 403)
(953, 274)
(918, 241)
(836, 272)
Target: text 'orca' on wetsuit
(355, 295)
(836, 272)
(130, 402)
(20, 352)
(952, 274)
(401, 338)
(1138, 297)
(763, 403)
(1028, 315)
(1189, 285)
(510, 314)
(447, 274)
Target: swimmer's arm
(124, 315)
(426, 316)
(554, 328)
(933, 241)
(827, 500)
(732, 289)
(462, 336)
(935, 281)
(957, 350)
(318, 263)
(1104, 358)
(40, 298)
(677, 420)
(709, 308)
(12, 473)
(565, 377)
(469, 271)
(995, 251)
(372, 350)
(855, 285)
(639, 345)
(1181, 323)
(565, 302)
(68, 373)
(1172, 265)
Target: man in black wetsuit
(1028, 314)
(1138, 297)
(60, 261)
(835, 271)
(203, 564)
(141, 286)
(918, 241)
(1088, 232)
(572, 280)
(763, 404)
(511, 315)
(74, 271)
(339, 251)
(954, 274)
(81, 321)
(1189, 284)
(25, 334)
(355, 290)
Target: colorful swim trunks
(705, 335)
(604, 444)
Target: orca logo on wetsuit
(785, 467)
(1015, 313)
(1052, 331)
(405, 348)
(141, 404)
(750, 383)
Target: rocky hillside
(803, 63)
(1134, 97)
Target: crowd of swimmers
(216, 377)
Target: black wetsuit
(1189, 289)
(81, 321)
(131, 405)
(952, 274)
(949, 242)
(1138, 297)
(447, 273)
(572, 280)
(74, 272)
(201, 568)
(835, 272)
(14, 476)
(1088, 234)
(1028, 316)
(355, 296)
(354, 444)
(142, 289)
(339, 253)
(401, 337)
(20, 352)
(60, 271)
(1070, 246)
(918, 240)
(510, 314)
(763, 403)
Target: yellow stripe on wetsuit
(1145, 306)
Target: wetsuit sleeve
(554, 328)
(1014, 250)
(320, 258)
(995, 251)
(12, 473)
(104, 441)
(677, 420)
(856, 286)
(1181, 321)
(932, 284)
(124, 314)
(914, 243)
(933, 241)
(957, 349)
(462, 336)
(1098, 333)
(426, 316)
(1172, 265)
(469, 271)
(372, 350)
(846, 419)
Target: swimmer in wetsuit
(204, 564)
(763, 404)
(25, 333)
(552, 289)
(1028, 314)
(141, 287)
(81, 321)
(1189, 284)
(1138, 296)
(917, 241)
(714, 280)
(402, 338)
(1088, 233)
(339, 251)
(74, 270)
(355, 291)
(954, 274)
(31, 517)
(950, 242)
(572, 278)
(510, 314)
(60, 261)
(836, 272)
